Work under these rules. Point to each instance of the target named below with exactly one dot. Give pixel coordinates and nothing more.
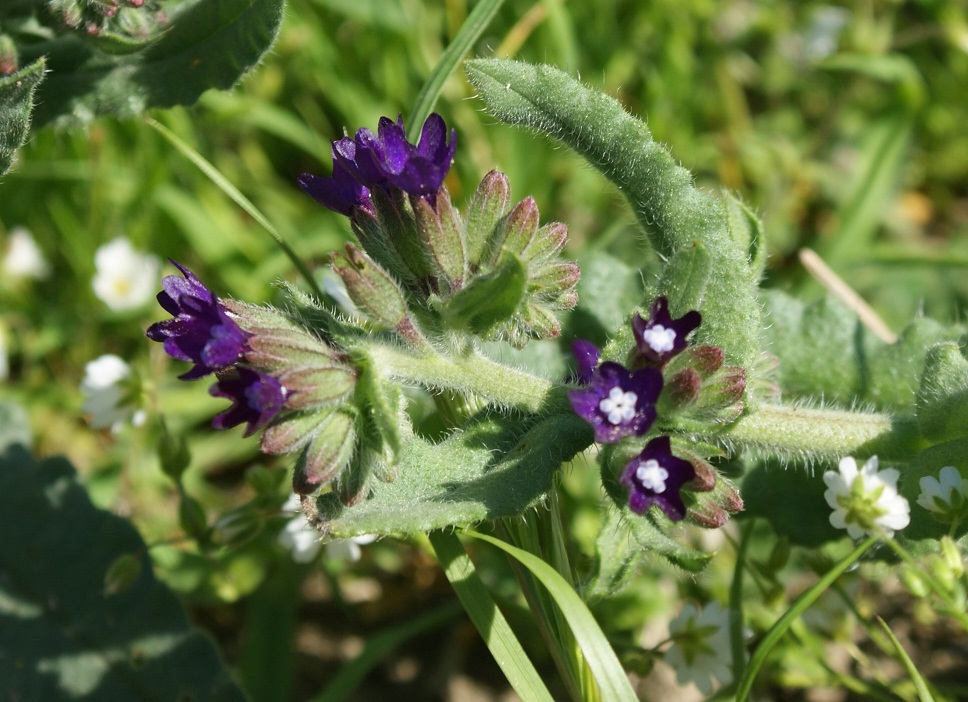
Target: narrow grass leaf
(345, 683)
(473, 27)
(241, 200)
(777, 631)
(602, 661)
(924, 694)
(487, 618)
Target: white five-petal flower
(108, 400)
(23, 258)
(865, 501)
(944, 495)
(125, 279)
(701, 652)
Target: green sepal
(516, 230)
(291, 431)
(488, 205)
(942, 397)
(316, 387)
(684, 280)
(398, 229)
(16, 105)
(443, 236)
(496, 467)
(371, 288)
(488, 300)
(379, 402)
(328, 453)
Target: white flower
(701, 651)
(944, 497)
(304, 542)
(865, 501)
(24, 258)
(125, 279)
(348, 549)
(108, 393)
(4, 364)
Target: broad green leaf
(208, 44)
(63, 636)
(791, 499)
(16, 103)
(494, 468)
(599, 655)
(672, 211)
(488, 619)
(608, 291)
(942, 397)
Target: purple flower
(587, 356)
(201, 331)
(256, 398)
(617, 402)
(661, 337)
(383, 160)
(340, 193)
(655, 477)
(418, 170)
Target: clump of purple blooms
(202, 332)
(620, 402)
(384, 160)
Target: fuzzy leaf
(492, 469)
(942, 398)
(489, 300)
(208, 44)
(669, 207)
(791, 499)
(67, 633)
(16, 103)
(608, 291)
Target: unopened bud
(681, 390)
(708, 515)
(316, 387)
(8, 55)
(554, 278)
(519, 227)
(329, 451)
(913, 581)
(442, 233)
(547, 243)
(487, 207)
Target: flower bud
(554, 278)
(547, 243)
(708, 515)
(517, 230)
(681, 390)
(327, 453)
(312, 388)
(487, 207)
(442, 233)
(8, 56)
(370, 287)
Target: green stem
(939, 590)
(468, 373)
(820, 433)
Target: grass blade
(602, 661)
(924, 694)
(241, 200)
(777, 631)
(487, 618)
(473, 27)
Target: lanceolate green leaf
(670, 208)
(494, 468)
(487, 618)
(64, 635)
(601, 659)
(16, 103)
(208, 44)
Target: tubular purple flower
(661, 337)
(618, 402)
(341, 192)
(656, 477)
(256, 398)
(417, 170)
(587, 356)
(201, 331)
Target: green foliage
(16, 102)
(490, 469)
(670, 208)
(83, 617)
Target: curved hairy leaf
(208, 44)
(67, 632)
(491, 469)
(669, 207)
(16, 103)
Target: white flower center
(652, 475)
(659, 338)
(619, 405)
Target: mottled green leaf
(208, 44)
(62, 635)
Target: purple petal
(668, 494)
(660, 337)
(630, 413)
(256, 398)
(587, 356)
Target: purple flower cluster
(202, 332)
(384, 160)
(620, 402)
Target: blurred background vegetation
(843, 125)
